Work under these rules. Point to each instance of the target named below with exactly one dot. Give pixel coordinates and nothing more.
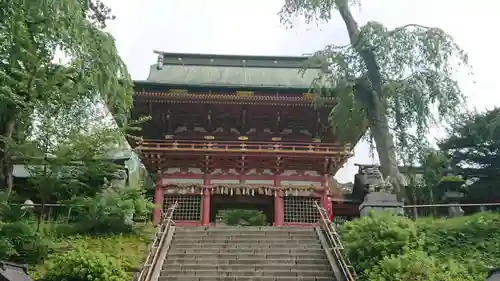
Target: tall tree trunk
(378, 122)
(6, 176)
(386, 151)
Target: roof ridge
(235, 56)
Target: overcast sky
(253, 28)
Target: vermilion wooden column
(158, 199)
(205, 213)
(326, 203)
(278, 208)
(278, 203)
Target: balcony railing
(243, 146)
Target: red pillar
(278, 203)
(158, 199)
(326, 203)
(278, 208)
(205, 212)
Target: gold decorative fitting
(178, 91)
(242, 138)
(276, 139)
(308, 96)
(209, 137)
(244, 93)
(316, 140)
(169, 137)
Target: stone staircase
(245, 254)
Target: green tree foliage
(390, 80)
(112, 210)
(473, 147)
(66, 165)
(244, 217)
(33, 36)
(425, 189)
(84, 265)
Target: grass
(131, 249)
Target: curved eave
(165, 97)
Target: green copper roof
(237, 71)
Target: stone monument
(380, 196)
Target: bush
(416, 265)
(6, 248)
(85, 265)
(386, 247)
(244, 217)
(473, 241)
(113, 211)
(371, 238)
(26, 244)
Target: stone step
(251, 234)
(315, 245)
(245, 261)
(287, 273)
(247, 251)
(244, 229)
(243, 278)
(229, 256)
(238, 240)
(247, 267)
(254, 231)
(247, 236)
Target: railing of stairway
(162, 231)
(336, 246)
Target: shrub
(85, 265)
(416, 266)
(371, 238)
(244, 217)
(473, 241)
(29, 247)
(6, 248)
(112, 210)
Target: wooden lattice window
(300, 209)
(188, 209)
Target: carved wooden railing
(162, 232)
(335, 244)
(151, 145)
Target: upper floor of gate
(223, 105)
